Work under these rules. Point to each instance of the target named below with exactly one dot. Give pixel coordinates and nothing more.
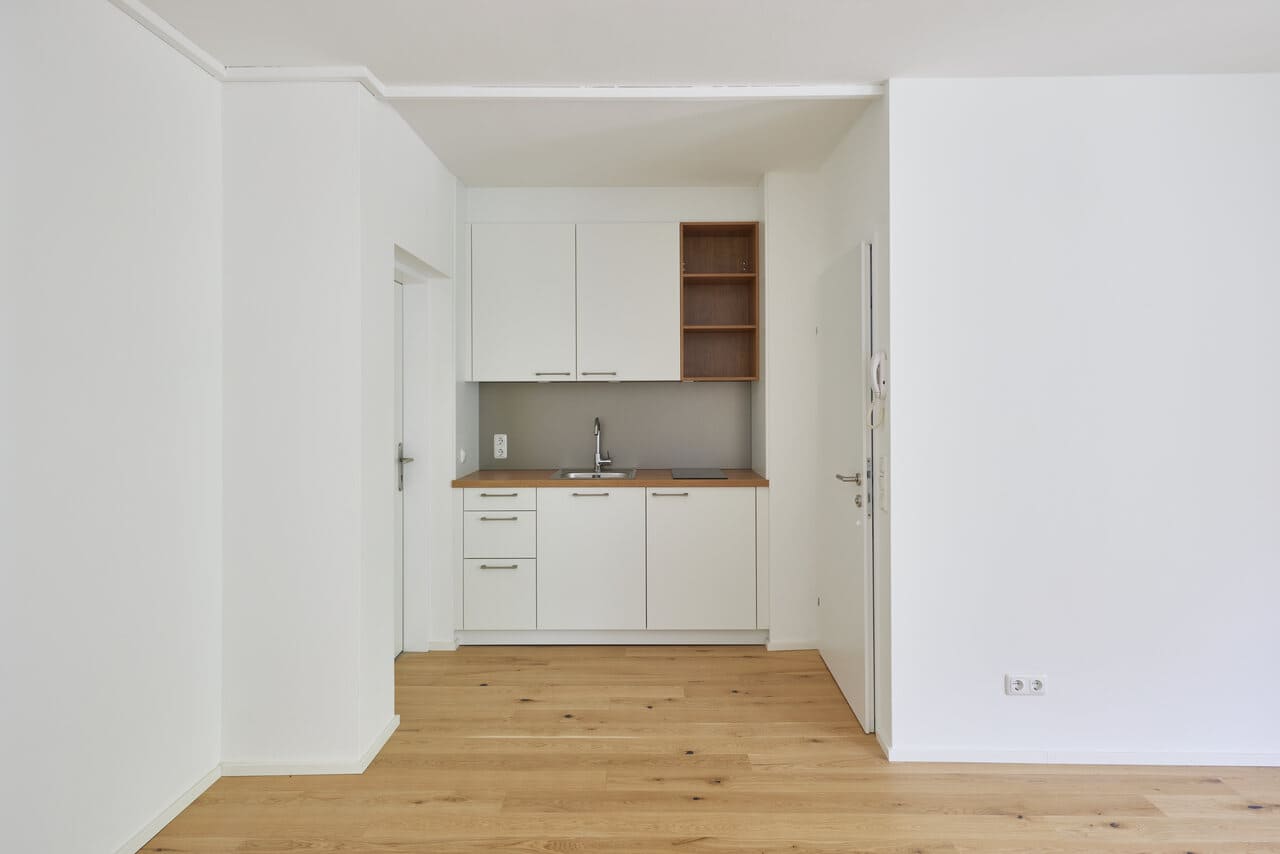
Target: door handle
(599, 373)
(401, 459)
(590, 495)
(856, 477)
(669, 494)
(552, 373)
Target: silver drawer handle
(599, 373)
(499, 518)
(499, 494)
(552, 373)
(590, 495)
(669, 494)
(499, 566)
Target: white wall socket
(1021, 685)
(499, 446)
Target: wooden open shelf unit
(719, 301)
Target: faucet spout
(601, 459)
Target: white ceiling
(623, 143)
(733, 41)
(665, 42)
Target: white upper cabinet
(701, 546)
(629, 301)
(522, 291)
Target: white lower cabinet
(602, 558)
(500, 593)
(702, 558)
(591, 563)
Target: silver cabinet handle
(499, 518)
(856, 477)
(499, 494)
(500, 566)
(669, 494)
(552, 373)
(590, 495)
(599, 373)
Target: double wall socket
(499, 446)
(1018, 685)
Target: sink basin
(589, 474)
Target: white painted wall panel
(1085, 412)
(110, 426)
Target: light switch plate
(499, 446)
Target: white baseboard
(1078, 757)
(780, 645)
(142, 837)
(334, 766)
(636, 637)
(442, 645)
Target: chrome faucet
(600, 460)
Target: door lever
(856, 477)
(401, 459)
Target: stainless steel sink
(590, 474)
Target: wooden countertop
(541, 478)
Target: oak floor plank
(697, 749)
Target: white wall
(110, 432)
(1086, 410)
(293, 469)
(407, 208)
(326, 188)
(612, 204)
(793, 259)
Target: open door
(846, 603)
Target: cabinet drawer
(500, 594)
(499, 533)
(499, 498)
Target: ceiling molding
(164, 31)
(306, 74)
(821, 91)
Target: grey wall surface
(645, 425)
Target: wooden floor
(720, 749)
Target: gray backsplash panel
(645, 425)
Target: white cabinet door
(522, 309)
(591, 558)
(629, 301)
(702, 558)
(500, 594)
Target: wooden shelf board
(720, 327)
(746, 278)
(718, 379)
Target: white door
(591, 558)
(845, 612)
(702, 557)
(522, 292)
(402, 459)
(629, 301)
